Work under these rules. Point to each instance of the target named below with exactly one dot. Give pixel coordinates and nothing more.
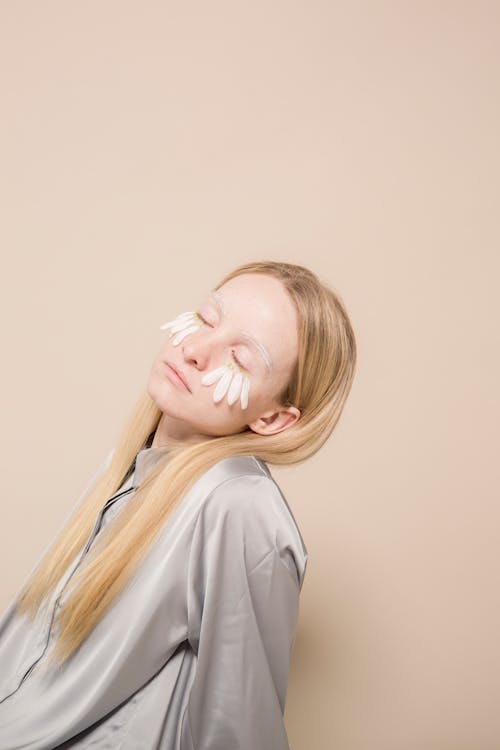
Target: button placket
(47, 633)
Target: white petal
(222, 385)
(244, 392)
(234, 390)
(180, 336)
(213, 375)
(183, 316)
(175, 327)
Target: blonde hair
(319, 385)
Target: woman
(164, 613)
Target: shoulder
(246, 504)
(242, 489)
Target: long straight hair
(319, 386)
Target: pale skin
(258, 305)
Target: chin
(162, 400)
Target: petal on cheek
(234, 390)
(177, 339)
(213, 375)
(179, 322)
(222, 386)
(224, 374)
(244, 392)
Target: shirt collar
(145, 461)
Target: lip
(176, 375)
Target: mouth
(176, 375)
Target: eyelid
(204, 318)
(238, 361)
(215, 300)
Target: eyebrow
(215, 297)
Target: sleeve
(243, 603)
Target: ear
(272, 422)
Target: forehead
(259, 306)
(257, 298)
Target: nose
(205, 349)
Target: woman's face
(249, 320)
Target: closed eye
(235, 358)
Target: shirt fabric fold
(194, 653)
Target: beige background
(149, 147)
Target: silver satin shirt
(194, 654)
